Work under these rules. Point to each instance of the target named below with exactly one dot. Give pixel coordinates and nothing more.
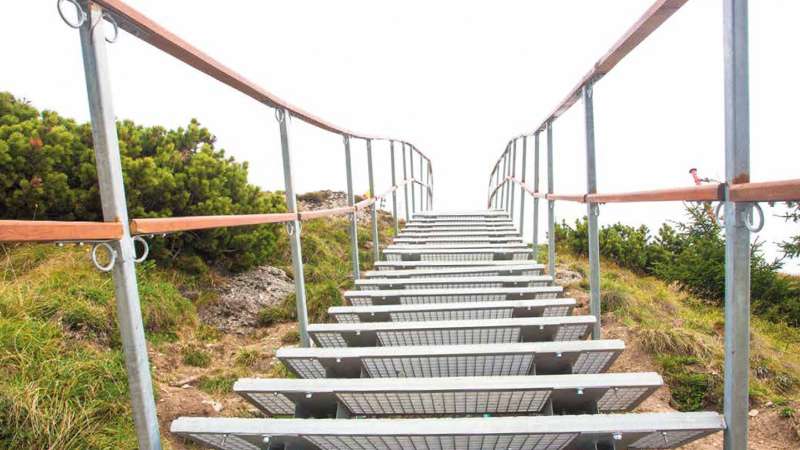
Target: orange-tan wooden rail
(49, 231)
(768, 191)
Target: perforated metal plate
(449, 332)
(454, 283)
(454, 360)
(453, 311)
(450, 295)
(521, 395)
(519, 269)
(455, 245)
(482, 240)
(581, 432)
(415, 265)
(457, 254)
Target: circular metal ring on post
(717, 210)
(145, 246)
(290, 229)
(748, 220)
(110, 19)
(81, 13)
(112, 255)
(596, 209)
(280, 115)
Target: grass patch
(218, 384)
(290, 337)
(195, 357)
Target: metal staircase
(456, 341)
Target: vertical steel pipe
(496, 197)
(376, 252)
(294, 228)
(421, 186)
(522, 189)
(511, 188)
(536, 200)
(592, 210)
(503, 180)
(551, 207)
(354, 214)
(413, 185)
(394, 191)
(405, 181)
(737, 236)
(112, 197)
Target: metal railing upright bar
(117, 233)
(738, 195)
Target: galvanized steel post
(496, 193)
(421, 181)
(112, 197)
(535, 199)
(413, 185)
(294, 228)
(503, 179)
(353, 215)
(405, 182)
(522, 189)
(737, 235)
(376, 252)
(592, 211)
(513, 174)
(394, 191)
(551, 207)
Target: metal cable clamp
(78, 8)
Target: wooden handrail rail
(307, 215)
(174, 224)
(146, 29)
(766, 191)
(651, 20)
(49, 230)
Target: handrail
(765, 191)
(650, 21)
(49, 230)
(146, 29)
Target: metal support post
(511, 188)
(294, 228)
(394, 191)
(522, 189)
(376, 251)
(551, 207)
(405, 185)
(421, 187)
(737, 235)
(353, 216)
(413, 187)
(503, 180)
(112, 197)
(536, 200)
(496, 184)
(592, 211)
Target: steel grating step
(459, 226)
(451, 295)
(446, 332)
(453, 283)
(458, 254)
(525, 358)
(464, 233)
(558, 307)
(439, 271)
(459, 396)
(429, 247)
(579, 432)
(460, 214)
(486, 240)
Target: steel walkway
(456, 341)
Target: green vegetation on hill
(691, 254)
(47, 162)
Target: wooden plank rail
(766, 191)
(47, 231)
(174, 224)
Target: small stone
(769, 404)
(753, 412)
(186, 386)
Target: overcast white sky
(456, 78)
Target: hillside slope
(63, 383)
